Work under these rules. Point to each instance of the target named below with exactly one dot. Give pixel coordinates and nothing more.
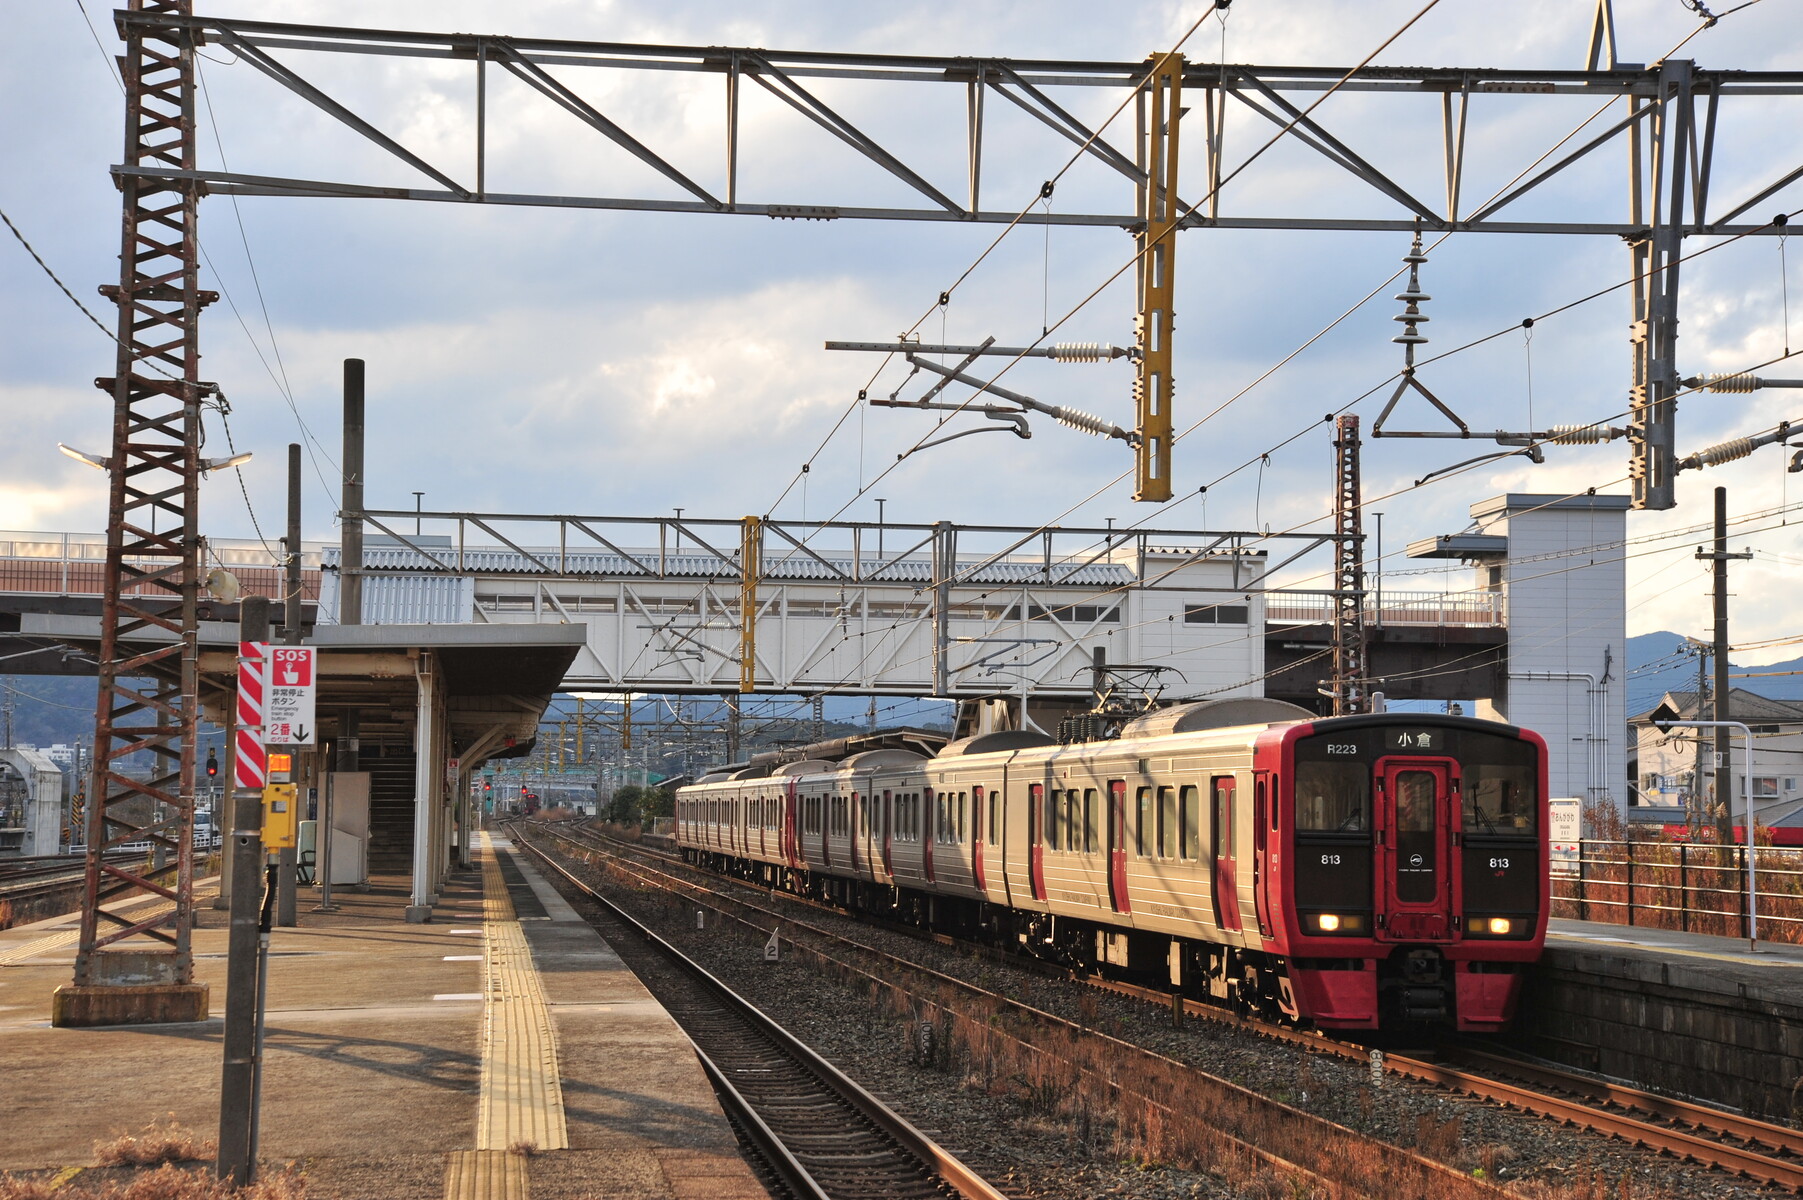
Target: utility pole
(237, 1083)
(1699, 808)
(1724, 772)
(350, 560)
(288, 857)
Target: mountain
(1658, 663)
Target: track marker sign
(288, 704)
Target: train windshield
(1333, 796)
(1500, 797)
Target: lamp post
(1664, 722)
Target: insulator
(1076, 418)
(1414, 256)
(1411, 338)
(1411, 317)
(1077, 352)
(1413, 296)
(1725, 452)
(1732, 383)
(1579, 435)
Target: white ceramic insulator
(1077, 352)
(1731, 383)
(1076, 418)
(1725, 452)
(1579, 435)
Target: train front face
(1416, 877)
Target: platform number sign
(288, 707)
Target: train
(1385, 871)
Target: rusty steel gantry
(1351, 685)
(149, 621)
(1672, 113)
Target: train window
(976, 814)
(1190, 804)
(1145, 826)
(1054, 801)
(1167, 822)
(963, 817)
(1499, 798)
(1333, 796)
(995, 808)
(1222, 788)
(1415, 802)
(1092, 822)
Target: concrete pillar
(425, 798)
(43, 799)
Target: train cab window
(1092, 822)
(1167, 822)
(1500, 798)
(1190, 805)
(1333, 797)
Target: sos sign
(288, 706)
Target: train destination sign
(288, 706)
(1416, 741)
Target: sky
(624, 364)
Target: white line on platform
(463, 958)
(458, 996)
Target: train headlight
(1500, 926)
(1330, 923)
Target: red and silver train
(1366, 872)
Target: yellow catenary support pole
(1160, 108)
(750, 567)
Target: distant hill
(1657, 663)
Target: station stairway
(391, 771)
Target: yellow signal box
(281, 827)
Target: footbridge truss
(758, 605)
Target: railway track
(1751, 1149)
(820, 1135)
(1223, 1122)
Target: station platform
(1698, 1016)
(402, 1061)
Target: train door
(928, 829)
(790, 817)
(888, 825)
(851, 831)
(978, 869)
(1264, 819)
(1414, 876)
(1035, 840)
(1117, 846)
(1227, 892)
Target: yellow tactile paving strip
(522, 1100)
(486, 1175)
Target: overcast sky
(530, 360)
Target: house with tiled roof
(1666, 762)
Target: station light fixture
(98, 462)
(209, 465)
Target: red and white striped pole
(248, 769)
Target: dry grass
(167, 1182)
(525, 1148)
(155, 1144)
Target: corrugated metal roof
(906, 571)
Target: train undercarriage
(1411, 992)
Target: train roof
(1215, 714)
(1001, 741)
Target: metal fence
(1695, 887)
(1398, 608)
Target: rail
(1694, 887)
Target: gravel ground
(1038, 1149)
